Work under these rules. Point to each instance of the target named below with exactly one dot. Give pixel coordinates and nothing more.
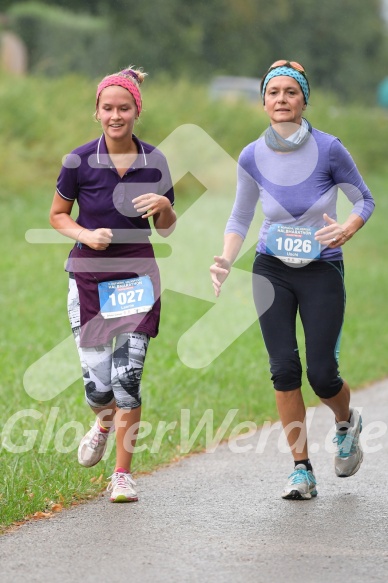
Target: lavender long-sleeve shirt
(297, 187)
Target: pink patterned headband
(122, 82)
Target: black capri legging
(317, 290)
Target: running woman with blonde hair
(119, 183)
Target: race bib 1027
(126, 297)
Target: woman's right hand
(99, 239)
(219, 271)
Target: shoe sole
(296, 495)
(122, 498)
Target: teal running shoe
(301, 484)
(349, 455)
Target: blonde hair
(129, 78)
(130, 73)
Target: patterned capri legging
(111, 372)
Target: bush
(44, 118)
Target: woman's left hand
(151, 204)
(333, 235)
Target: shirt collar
(103, 154)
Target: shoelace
(97, 439)
(299, 476)
(346, 444)
(120, 479)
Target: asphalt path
(218, 517)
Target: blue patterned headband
(288, 72)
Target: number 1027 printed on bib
(126, 297)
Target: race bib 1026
(126, 297)
(293, 244)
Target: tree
(342, 43)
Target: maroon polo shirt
(89, 177)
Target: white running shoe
(122, 488)
(349, 456)
(92, 446)
(301, 484)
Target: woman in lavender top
(119, 183)
(296, 171)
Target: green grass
(34, 286)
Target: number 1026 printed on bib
(293, 244)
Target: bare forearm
(165, 222)
(64, 224)
(60, 219)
